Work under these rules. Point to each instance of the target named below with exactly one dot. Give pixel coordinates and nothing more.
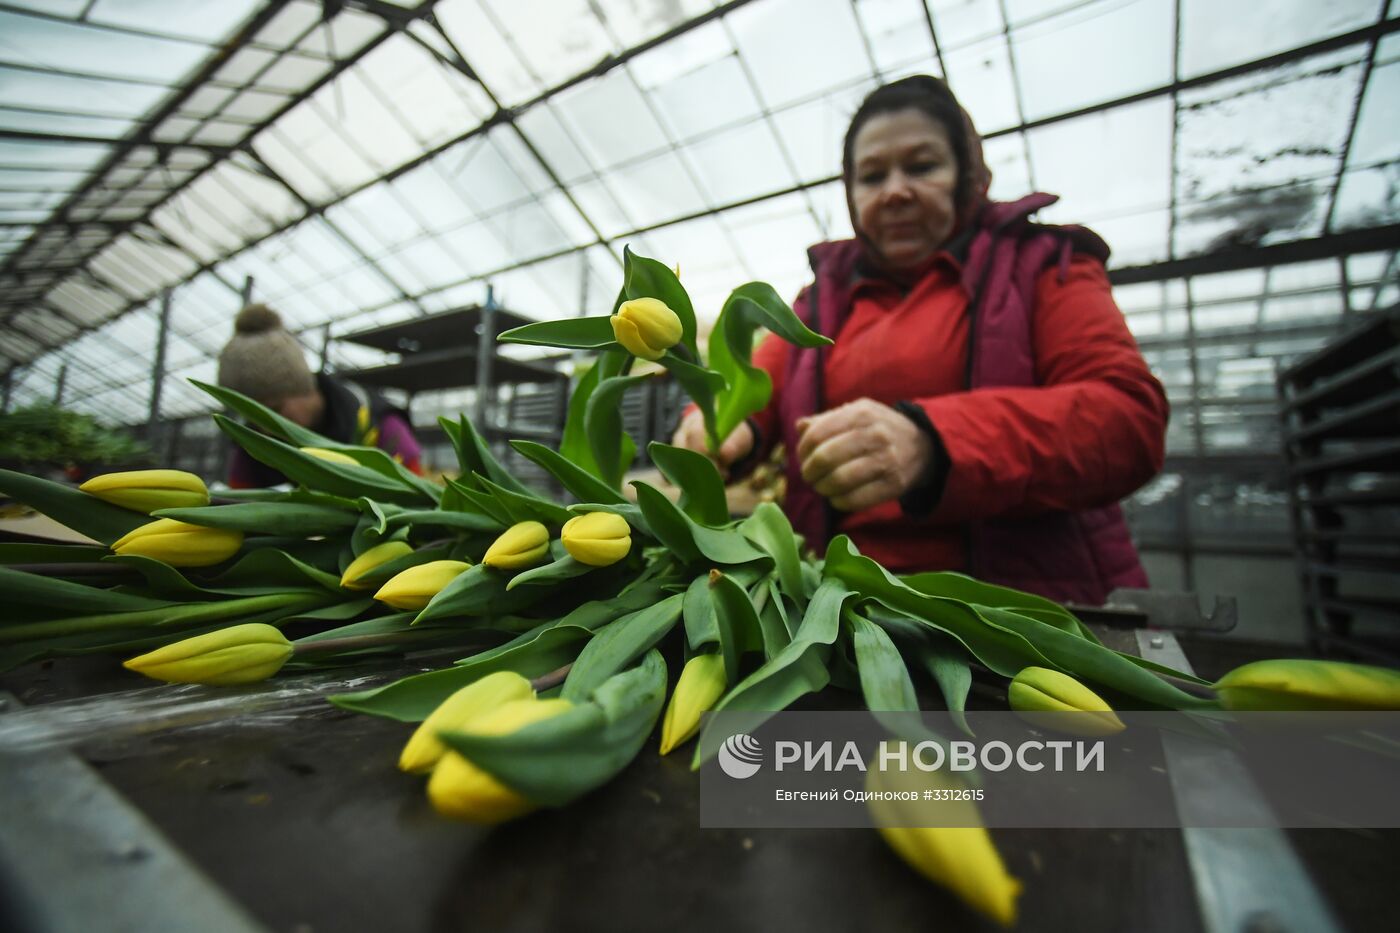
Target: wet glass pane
(207, 22)
(611, 121)
(1216, 35)
(83, 49)
(960, 22)
(656, 190)
(980, 75)
(898, 32)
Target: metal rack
(1340, 414)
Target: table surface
(304, 819)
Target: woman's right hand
(691, 435)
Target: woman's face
(904, 176)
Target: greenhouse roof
(364, 161)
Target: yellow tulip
(522, 545)
(1057, 701)
(180, 544)
(463, 791)
(239, 654)
(149, 490)
(455, 713)
(415, 587)
(699, 687)
(646, 327)
(597, 538)
(353, 577)
(1296, 684)
(330, 456)
(963, 859)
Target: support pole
(485, 353)
(58, 386)
(247, 291)
(158, 369)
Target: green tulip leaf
(584, 485)
(613, 448)
(736, 619)
(64, 597)
(557, 760)
(305, 469)
(970, 590)
(884, 678)
(474, 455)
(616, 645)
(85, 514)
(702, 489)
(950, 666)
(580, 333)
(20, 553)
(770, 529)
(273, 518)
(689, 541)
(797, 670)
(297, 436)
(545, 648)
(480, 502)
(556, 571)
(479, 591)
(731, 351)
(436, 518)
(698, 614)
(525, 508)
(702, 385)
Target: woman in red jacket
(983, 406)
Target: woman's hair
(928, 96)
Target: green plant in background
(565, 614)
(48, 434)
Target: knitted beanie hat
(263, 360)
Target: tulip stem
(552, 679)
(353, 642)
(163, 619)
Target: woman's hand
(862, 454)
(691, 435)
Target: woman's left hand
(862, 454)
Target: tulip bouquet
(565, 614)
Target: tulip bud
(330, 456)
(700, 686)
(180, 544)
(454, 714)
(352, 578)
(1037, 691)
(646, 327)
(461, 790)
(522, 545)
(149, 490)
(963, 859)
(597, 538)
(415, 587)
(1296, 684)
(239, 654)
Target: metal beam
(1328, 246)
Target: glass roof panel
(486, 50)
(980, 75)
(656, 190)
(712, 96)
(897, 30)
(61, 92)
(1118, 49)
(1082, 161)
(555, 143)
(961, 22)
(1216, 35)
(205, 22)
(1375, 139)
(740, 163)
(36, 42)
(1368, 198)
(632, 22)
(813, 131)
(610, 119)
(797, 48)
(1258, 154)
(555, 39)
